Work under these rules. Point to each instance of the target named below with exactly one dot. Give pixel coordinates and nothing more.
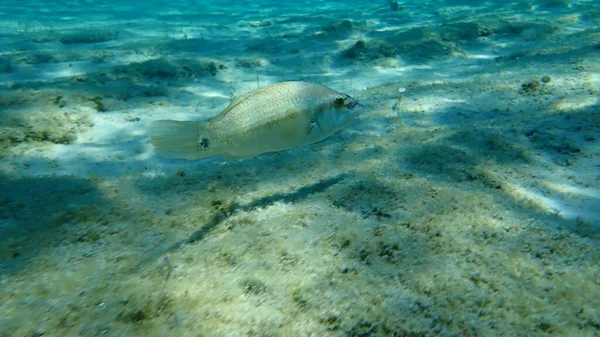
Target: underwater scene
(304, 168)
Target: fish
(278, 117)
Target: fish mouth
(356, 108)
(353, 103)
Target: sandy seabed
(465, 201)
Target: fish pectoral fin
(312, 125)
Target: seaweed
(88, 36)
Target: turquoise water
(464, 200)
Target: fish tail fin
(179, 139)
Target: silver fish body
(277, 117)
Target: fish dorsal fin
(237, 101)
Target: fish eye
(339, 102)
